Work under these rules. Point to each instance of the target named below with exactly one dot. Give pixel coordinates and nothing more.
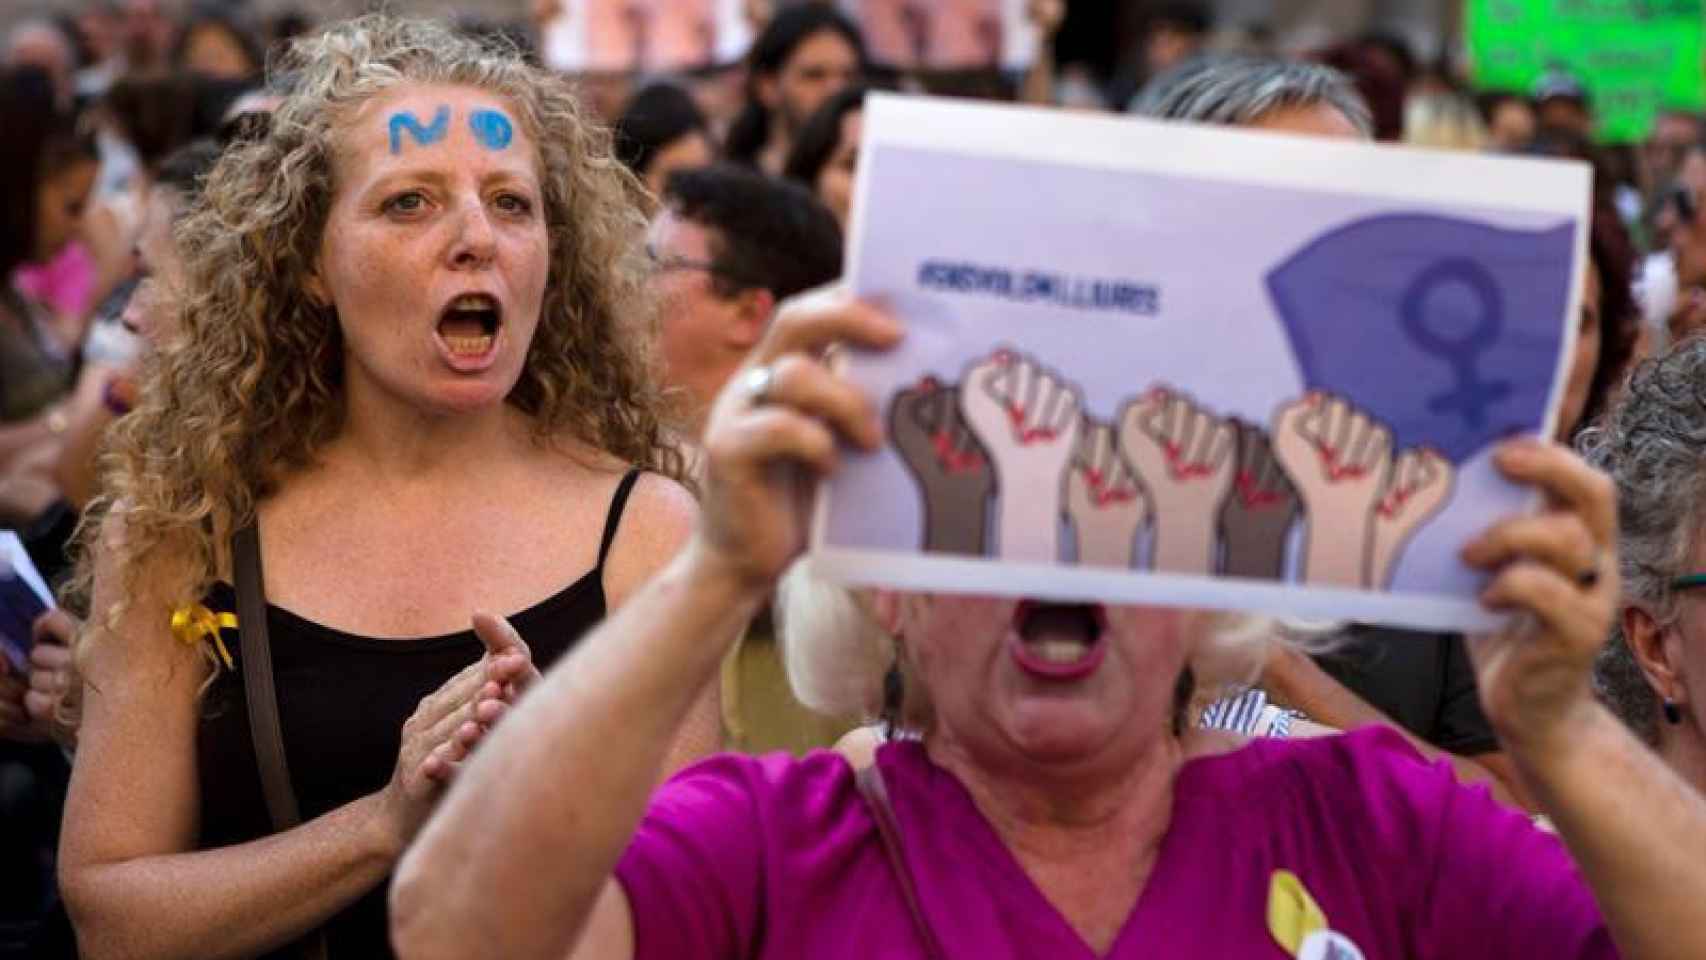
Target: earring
(1673, 713)
(894, 694)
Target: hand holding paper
(1185, 457)
(1028, 419)
(1104, 500)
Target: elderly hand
(1557, 570)
(775, 428)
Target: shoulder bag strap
(876, 794)
(262, 697)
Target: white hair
(837, 655)
(1238, 90)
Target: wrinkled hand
(1186, 458)
(950, 465)
(1535, 677)
(1104, 499)
(451, 721)
(1417, 488)
(1027, 418)
(1339, 457)
(1259, 511)
(763, 460)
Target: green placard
(1634, 56)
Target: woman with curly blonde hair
(410, 383)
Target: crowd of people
(417, 441)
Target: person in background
(1561, 102)
(804, 56)
(1674, 130)
(825, 157)
(409, 379)
(1509, 118)
(47, 168)
(217, 47)
(1171, 33)
(660, 131)
(727, 247)
(43, 44)
(1443, 120)
(1653, 445)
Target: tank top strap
(613, 519)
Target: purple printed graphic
(1452, 352)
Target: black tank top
(342, 700)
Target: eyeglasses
(1688, 581)
(667, 264)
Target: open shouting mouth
(1059, 641)
(468, 329)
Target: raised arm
(518, 862)
(1636, 829)
(128, 862)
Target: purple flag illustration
(1444, 329)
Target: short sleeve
(1461, 727)
(693, 872)
(1497, 886)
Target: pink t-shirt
(773, 857)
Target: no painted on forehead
(492, 129)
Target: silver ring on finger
(757, 383)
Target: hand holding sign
(953, 471)
(1028, 420)
(1185, 457)
(1104, 500)
(1339, 457)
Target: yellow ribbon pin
(1292, 913)
(195, 623)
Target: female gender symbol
(1472, 395)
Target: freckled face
(435, 253)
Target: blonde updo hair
(252, 389)
(1444, 120)
(837, 655)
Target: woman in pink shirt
(1051, 802)
(1052, 805)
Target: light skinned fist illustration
(1338, 457)
(1418, 486)
(1104, 499)
(1186, 457)
(1028, 420)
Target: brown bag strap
(262, 696)
(876, 794)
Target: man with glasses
(727, 245)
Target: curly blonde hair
(251, 389)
